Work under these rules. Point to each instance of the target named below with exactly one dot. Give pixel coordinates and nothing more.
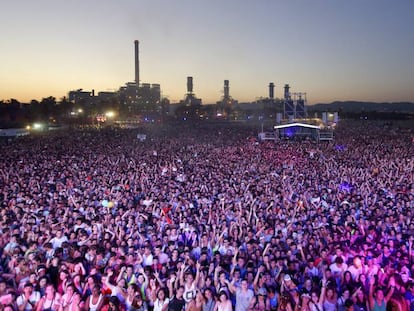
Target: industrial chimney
(271, 90)
(136, 62)
(190, 85)
(287, 87)
(226, 89)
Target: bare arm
(371, 292)
(197, 276)
(391, 290)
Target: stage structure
(297, 131)
(294, 104)
(294, 124)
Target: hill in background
(358, 106)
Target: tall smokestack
(271, 90)
(287, 87)
(190, 85)
(226, 89)
(136, 62)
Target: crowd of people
(207, 218)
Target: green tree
(48, 106)
(13, 109)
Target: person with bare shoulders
(223, 303)
(95, 301)
(162, 301)
(189, 282)
(197, 303)
(377, 300)
(285, 303)
(50, 301)
(76, 303)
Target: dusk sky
(330, 49)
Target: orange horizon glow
(94, 49)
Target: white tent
(301, 131)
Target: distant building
(227, 103)
(133, 97)
(190, 100)
(149, 97)
(146, 97)
(80, 96)
(140, 97)
(129, 94)
(107, 95)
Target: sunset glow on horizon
(332, 50)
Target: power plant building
(294, 104)
(80, 96)
(137, 97)
(140, 97)
(227, 102)
(190, 99)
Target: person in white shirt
(162, 257)
(338, 268)
(8, 249)
(356, 268)
(162, 301)
(29, 299)
(58, 240)
(68, 297)
(147, 257)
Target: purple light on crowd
(290, 132)
(345, 187)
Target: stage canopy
(301, 131)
